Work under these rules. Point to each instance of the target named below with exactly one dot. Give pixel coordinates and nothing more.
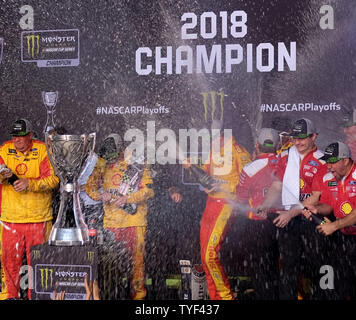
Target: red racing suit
(217, 219)
(310, 167)
(340, 195)
(26, 215)
(259, 241)
(292, 237)
(255, 180)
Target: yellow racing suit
(217, 218)
(26, 215)
(127, 228)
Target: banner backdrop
(120, 65)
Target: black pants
(344, 266)
(262, 258)
(304, 252)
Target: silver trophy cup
(50, 100)
(68, 155)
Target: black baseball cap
(111, 147)
(303, 128)
(336, 151)
(21, 127)
(268, 137)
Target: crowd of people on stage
(297, 204)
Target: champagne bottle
(12, 179)
(203, 178)
(93, 232)
(317, 220)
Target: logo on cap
(21, 128)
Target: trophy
(68, 155)
(50, 100)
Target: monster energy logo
(46, 277)
(33, 45)
(90, 255)
(214, 96)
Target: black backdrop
(111, 31)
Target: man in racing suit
(217, 216)
(338, 196)
(129, 228)
(26, 205)
(299, 166)
(259, 241)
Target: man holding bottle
(27, 180)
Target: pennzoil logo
(213, 104)
(46, 275)
(33, 45)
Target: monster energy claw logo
(214, 95)
(33, 45)
(51, 48)
(46, 277)
(90, 255)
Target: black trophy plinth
(62, 268)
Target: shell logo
(346, 208)
(21, 169)
(116, 179)
(302, 184)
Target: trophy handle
(92, 137)
(90, 159)
(48, 139)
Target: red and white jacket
(255, 180)
(340, 195)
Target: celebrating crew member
(338, 195)
(217, 216)
(124, 193)
(260, 233)
(300, 164)
(27, 179)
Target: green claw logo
(214, 96)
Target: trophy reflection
(68, 155)
(50, 100)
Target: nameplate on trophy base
(62, 268)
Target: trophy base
(67, 237)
